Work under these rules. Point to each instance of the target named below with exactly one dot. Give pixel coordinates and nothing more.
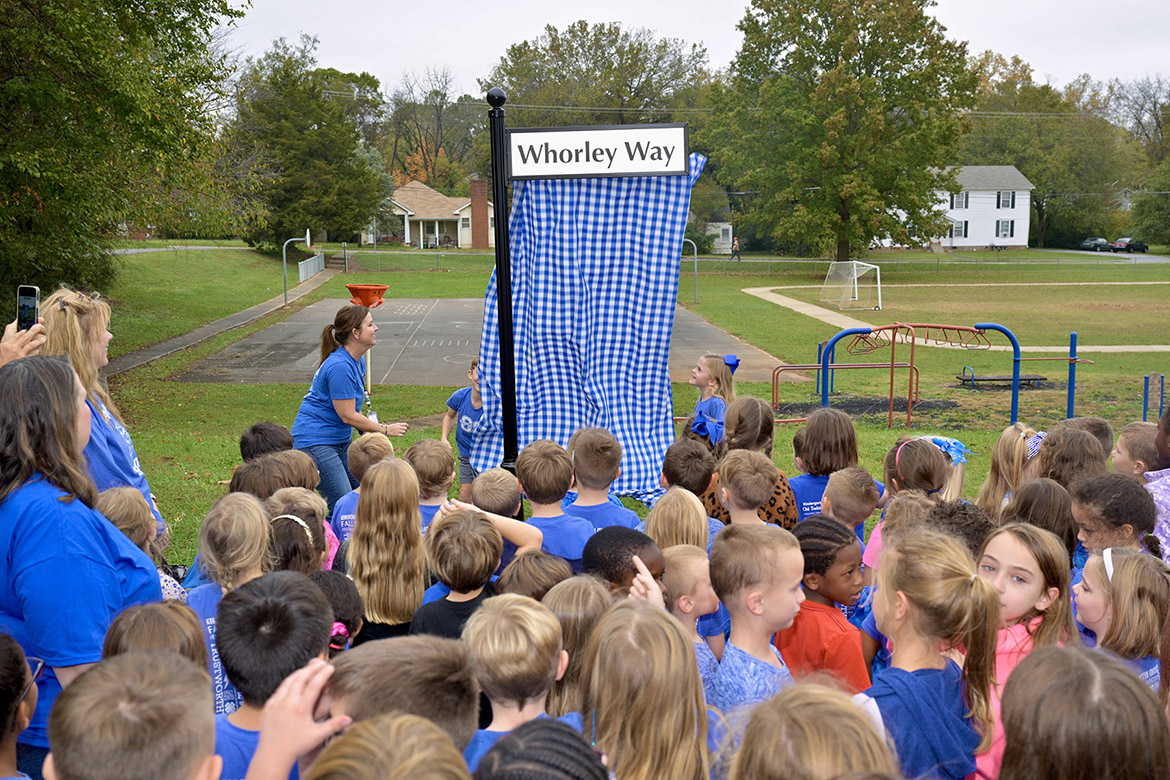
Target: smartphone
(28, 306)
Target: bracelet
(385, 430)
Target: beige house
(432, 219)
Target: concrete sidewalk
(147, 354)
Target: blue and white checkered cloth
(595, 277)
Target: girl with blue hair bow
(712, 374)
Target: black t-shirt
(371, 631)
(446, 618)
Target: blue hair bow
(952, 447)
(732, 362)
(705, 426)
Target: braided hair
(543, 749)
(821, 540)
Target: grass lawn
(156, 243)
(187, 434)
(159, 295)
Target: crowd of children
(748, 628)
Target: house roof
(993, 177)
(467, 204)
(425, 203)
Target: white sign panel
(577, 152)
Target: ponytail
(954, 606)
(329, 343)
(980, 636)
(1153, 545)
(338, 332)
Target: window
(725, 234)
(465, 222)
(1005, 228)
(960, 200)
(1007, 200)
(959, 229)
(492, 222)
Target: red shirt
(820, 639)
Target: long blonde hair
(393, 746)
(953, 605)
(73, 321)
(678, 518)
(642, 700)
(1139, 599)
(386, 558)
(810, 732)
(1007, 469)
(578, 602)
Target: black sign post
(499, 138)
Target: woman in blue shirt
(332, 407)
(77, 326)
(65, 571)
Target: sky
(1123, 39)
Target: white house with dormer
(992, 209)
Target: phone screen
(28, 303)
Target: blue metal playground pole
(1072, 374)
(1015, 365)
(826, 355)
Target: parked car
(1095, 245)
(1128, 245)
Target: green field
(187, 434)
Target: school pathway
(428, 341)
(145, 355)
(844, 321)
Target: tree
(598, 74)
(100, 104)
(1151, 208)
(844, 115)
(323, 178)
(430, 131)
(1143, 106)
(1060, 140)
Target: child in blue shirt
(515, 647)
(597, 455)
(365, 451)
(135, 716)
(268, 629)
(751, 669)
(233, 541)
(434, 466)
(464, 408)
(929, 601)
(712, 374)
(829, 444)
(689, 596)
(545, 474)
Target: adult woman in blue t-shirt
(331, 410)
(65, 571)
(77, 326)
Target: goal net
(853, 285)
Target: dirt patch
(856, 406)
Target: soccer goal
(853, 285)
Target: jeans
(336, 480)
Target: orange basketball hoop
(368, 295)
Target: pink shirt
(331, 546)
(874, 547)
(1013, 644)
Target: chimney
(479, 214)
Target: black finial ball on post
(496, 97)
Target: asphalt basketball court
(432, 342)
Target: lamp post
(284, 261)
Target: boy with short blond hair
(463, 550)
(747, 480)
(756, 570)
(363, 452)
(689, 596)
(850, 497)
(496, 491)
(136, 716)
(516, 654)
(533, 574)
(1136, 451)
(434, 466)
(596, 455)
(545, 474)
